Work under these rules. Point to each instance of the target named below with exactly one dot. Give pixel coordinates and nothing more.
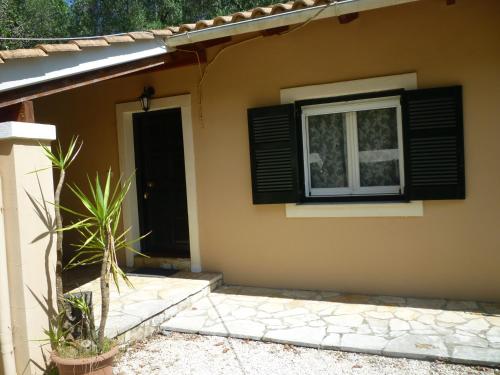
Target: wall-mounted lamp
(145, 97)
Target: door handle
(149, 186)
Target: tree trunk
(105, 269)
(59, 243)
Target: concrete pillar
(30, 245)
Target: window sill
(399, 209)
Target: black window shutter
(273, 154)
(434, 143)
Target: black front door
(161, 183)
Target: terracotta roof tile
(141, 35)
(281, 8)
(321, 2)
(76, 45)
(221, 20)
(261, 12)
(241, 16)
(300, 4)
(187, 27)
(85, 43)
(22, 53)
(203, 24)
(60, 47)
(173, 29)
(118, 39)
(162, 33)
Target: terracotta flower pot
(98, 365)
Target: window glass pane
(378, 147)
(328, 151)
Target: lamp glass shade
(145, 98)
(144, 102)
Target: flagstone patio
(136, 313)
(457, 331)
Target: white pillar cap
(26, 130)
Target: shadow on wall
(44, 211)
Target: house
(348, 146)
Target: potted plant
(100, 239)
(74, 348)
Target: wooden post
(22, 112)
(349, 17)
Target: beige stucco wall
(30, 250)
(452, 251)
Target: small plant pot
(98, 365)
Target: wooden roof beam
(22, 112)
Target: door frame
(124, 122)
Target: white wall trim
(406, 81)
(27, 130)
(415, 208)
(124, 112)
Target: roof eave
(298, 16)
(30, 71)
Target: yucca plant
(84, 322)
(101, 236)
(61, 160)
(56, 333)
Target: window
(344, 150)
(353, 148)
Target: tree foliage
(65, 18)
(31, 19)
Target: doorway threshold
(169, 263)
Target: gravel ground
(181, 354)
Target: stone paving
(457, 331)
(137, 312)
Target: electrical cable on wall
(204, 72)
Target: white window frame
(350, 108)
(407, 81)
